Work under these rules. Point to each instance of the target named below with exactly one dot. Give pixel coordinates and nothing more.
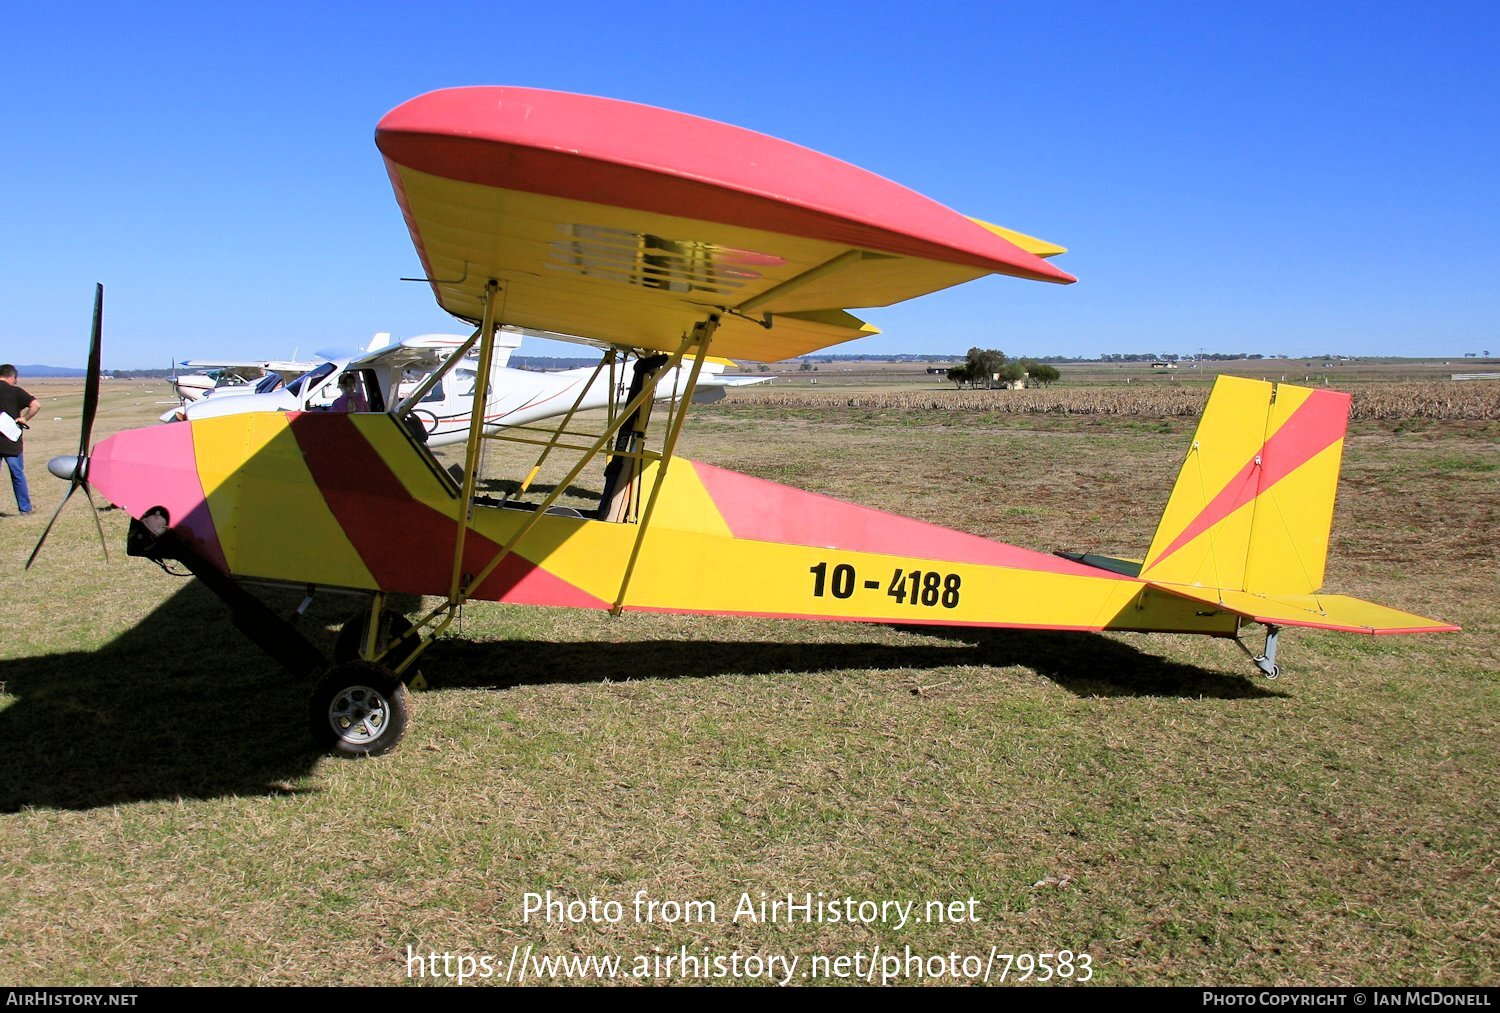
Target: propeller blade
(91, 382)
(78, 471)
(48, 529)
(98, 524)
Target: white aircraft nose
(64, 465)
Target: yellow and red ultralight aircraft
(669, 238)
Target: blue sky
(1273, 177)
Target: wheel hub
(359, 714)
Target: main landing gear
(359, 707)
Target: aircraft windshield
(466, 380)
(268, 383)
(309, 380)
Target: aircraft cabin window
(465, 379)
(309, 381)
(435, 394)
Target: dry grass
(1139, 797)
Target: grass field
(1141, 799)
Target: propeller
(75, 469)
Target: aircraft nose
(65, 465)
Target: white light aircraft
(222, 378)
(398, 378)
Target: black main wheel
(352, 638)
(359, 709)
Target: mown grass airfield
(1140, 798)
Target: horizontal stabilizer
(1320, 611)
(1031, 244)
(1114, 564)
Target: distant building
(1163, 364)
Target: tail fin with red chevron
(1247, 524)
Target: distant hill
(66, 372)
(26, 371)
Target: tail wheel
(359, 709)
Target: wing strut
(702, 334)
(415, 397)
(807, 277)
(467, 586)
(476, 432)
(620, 500)
(567, 420)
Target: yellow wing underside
(639, 279)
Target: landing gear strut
(1266, 660)
(394, 644)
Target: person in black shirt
(20, 407)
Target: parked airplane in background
(387, 375)
(314, 386)
(220, 378)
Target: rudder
(1252, 507)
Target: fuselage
(354, 501)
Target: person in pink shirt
(350, 398)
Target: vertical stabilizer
(1253, 504)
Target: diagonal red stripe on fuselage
(1314, 427)
(407, 545)
(766, 511)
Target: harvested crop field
(1419, 400)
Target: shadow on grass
(1090, 665)
(184, 706)
(181, 706)
(1082, 663)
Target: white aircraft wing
(283, 366)
(427, 351)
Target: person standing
(20, 407)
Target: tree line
(986, 367)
